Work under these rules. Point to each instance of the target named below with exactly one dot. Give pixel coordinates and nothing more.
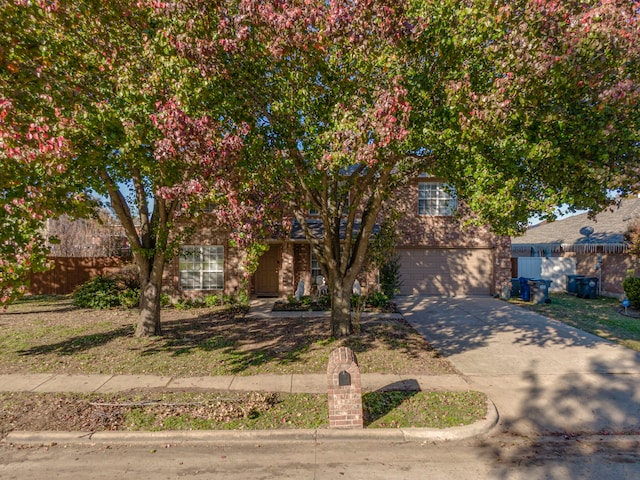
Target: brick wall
(208, 233)
(449, 232)
(424, 230)
(614, 270)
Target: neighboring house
(437, 257)
(594, 248)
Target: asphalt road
(500, 456)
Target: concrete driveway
(543, 375)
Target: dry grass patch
(50, 335)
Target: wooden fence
(69, 272)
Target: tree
(531, 104)
(127, 112)
(33, 181)
(98, 236)
(520, 106)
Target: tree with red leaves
(94, 97)
(519, 105)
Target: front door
(267, 274)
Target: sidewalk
(294, 383)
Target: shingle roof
(579, 233)
(317, 229)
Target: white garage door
(446, 271)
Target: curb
(231, 437)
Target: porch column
(287, 274)
(502, 266)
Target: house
(583, 246)
(437, 256)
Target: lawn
(42, 335)
(50, 334)
(601, 316)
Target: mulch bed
(315, 306)
(629, 312)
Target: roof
(317, 229)
(581, 234)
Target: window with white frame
(436, 199)
(201, 267)
(315, 268)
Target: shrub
(213, 300)
(128, 278)
(165, 300)
(306, 300)
(378, 300)
(228, 299)
(390, 277)
(129, 298)
(243, 298)
(357, 301)
(631, 287)
(188, 303)
(98, 293)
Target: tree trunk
(341, 310)
(149, 318)
(151, 287)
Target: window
(315, 268)
(201, 267)
(436, 199)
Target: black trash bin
(587, 287)
(525, 291)
(515, 288)
(540, 290)
(572, 283)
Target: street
(500, 456)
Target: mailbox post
(345, 389)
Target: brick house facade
(436, 255)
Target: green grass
(157, 411)
(600, 316)
(423, 409)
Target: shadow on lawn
(242, 342)
(79, 343)
(252, 342)
(383, 401)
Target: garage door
(446, 271)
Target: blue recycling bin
(525, 290)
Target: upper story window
(436, 199)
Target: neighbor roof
(580, 233)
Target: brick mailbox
(345, 389)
